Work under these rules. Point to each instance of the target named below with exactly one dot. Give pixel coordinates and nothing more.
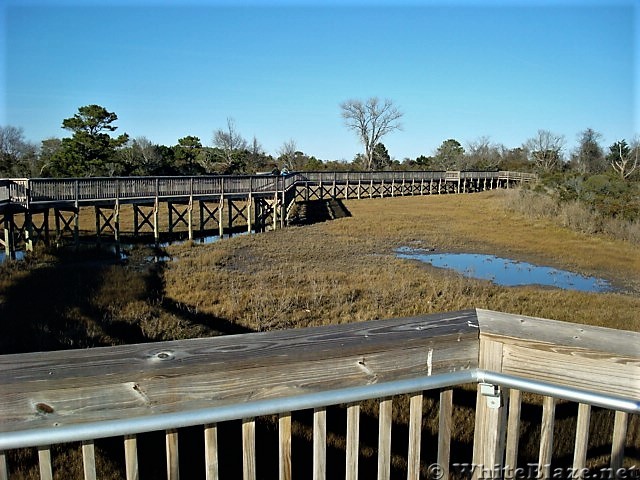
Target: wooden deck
(81, 395)
(258, 202)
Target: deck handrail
(64, 396)
(24, 192)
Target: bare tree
(545, 150)
(371, 120)
(287, 154)
(255, 158)
(229, 141)
(482, 154)
(624, 158)
(18, 157)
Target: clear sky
(280, 69)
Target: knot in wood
(44, 408)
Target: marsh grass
(330, 273)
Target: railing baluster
(582, 438)
(619, 437)
(211, 451)
(513, 433)
(89, 460)
(4, 472)
(44, 459)
(353, 441)
(546, 436)
(384, 438)
(444, 432)
(415, 431)
(173, 459)
(284, 449)
(319, 444)
(131, 456)
(249, 449)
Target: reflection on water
(505, 271)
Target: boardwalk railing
(42, 191)
(84, 395)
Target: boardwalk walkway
(223, 203)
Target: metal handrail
(131, 426)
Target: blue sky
(459, 69)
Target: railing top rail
(104, 384)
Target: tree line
(93, 149)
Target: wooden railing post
(490, 428)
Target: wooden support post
(9, 240)
(490, 428)
(231, 206)
(248, 210)
(116, 226)
(28, 232)
(76, 228)
(220, 212)
(275, 210)
(359, 188)
(98, 225)
(190, 217)
(156, 228)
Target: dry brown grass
(346, 270)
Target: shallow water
(506, 271)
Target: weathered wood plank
(44, 459)
(319, 444)
(587, 373)
(249, 449)
(618, 440)
(601, 360)
(490, 426)
(622, 346)
(89, 460)
(513, 433)
(582, 439)
(353, 441)
(444, 432)
(385, 419)
(173, 457)
(284, 449)
(63, 388)
(4, 471)
(131, 457)
(546, 436)
(415, 436)
(211, 451)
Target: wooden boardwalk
(223, 203)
